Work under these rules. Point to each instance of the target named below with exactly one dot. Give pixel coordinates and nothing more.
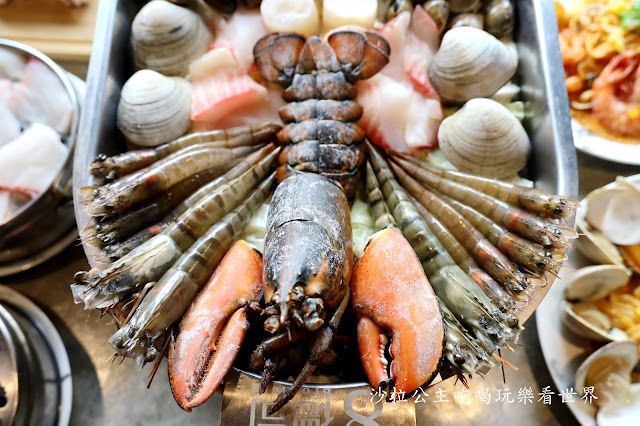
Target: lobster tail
(361, 55)
(276, 56)
(317, 55)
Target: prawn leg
(118, 196)
(137, 268)
(518, 221)
(530, 199)
(451, 284)
(170, 297)
(111, 168)
(487, 255)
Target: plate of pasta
(600, 46)
(596, 301)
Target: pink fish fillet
(401, 110)
(40, 97)
(220, 87)
(242, 31)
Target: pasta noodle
(622, 307)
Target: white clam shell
(471, 63)
(594, 282)
(615, 211)
(154, 109)
(593, 245)
(615, 358)
(167, 38)
(622, 414)
(484, 138)
(588, 284)
(585, 328)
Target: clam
(439, 11)
(614, 210)
(499, 17)
(475, 20)
(593, 245)
(154, 109)
(608, 370)
(622, 415)
(460, 6)
(580, 315)
(166, 38)
(484, 138)
(470, 63)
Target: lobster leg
(392, 297)
(212, 330)
(261, 358)
(321, 354)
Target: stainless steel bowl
(553, 164)
(37, 230)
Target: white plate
(606, 149)
(563, 350)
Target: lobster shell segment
(320, 89)
(392, 297)
(212, 330)
(308, 250)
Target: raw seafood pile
(35, 111)
(469, 252)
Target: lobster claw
(392, 297)
(212, 330)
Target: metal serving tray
(552, 165)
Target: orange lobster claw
(212, 330)
(391, 294)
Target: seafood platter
(273, 187)
(591, 328)
(600, 46)
(39, 116)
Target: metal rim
(50, 335)
(65, 170)
(29, 262)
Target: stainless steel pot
(552, 166)
(35, 375)
(39, 227)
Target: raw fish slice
(30, 162)
(264, 111)
(420, 47)
(40, 97)
(423, 121)
(395, 32)
(9, 124)
(401, 110)
(242, 31)
(220, 87)
(384, 111)
(12, 64)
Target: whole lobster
(308, 257)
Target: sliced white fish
(241, 32)
(40, 97)
(29, 163)
(12, 64)
(9, 124)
